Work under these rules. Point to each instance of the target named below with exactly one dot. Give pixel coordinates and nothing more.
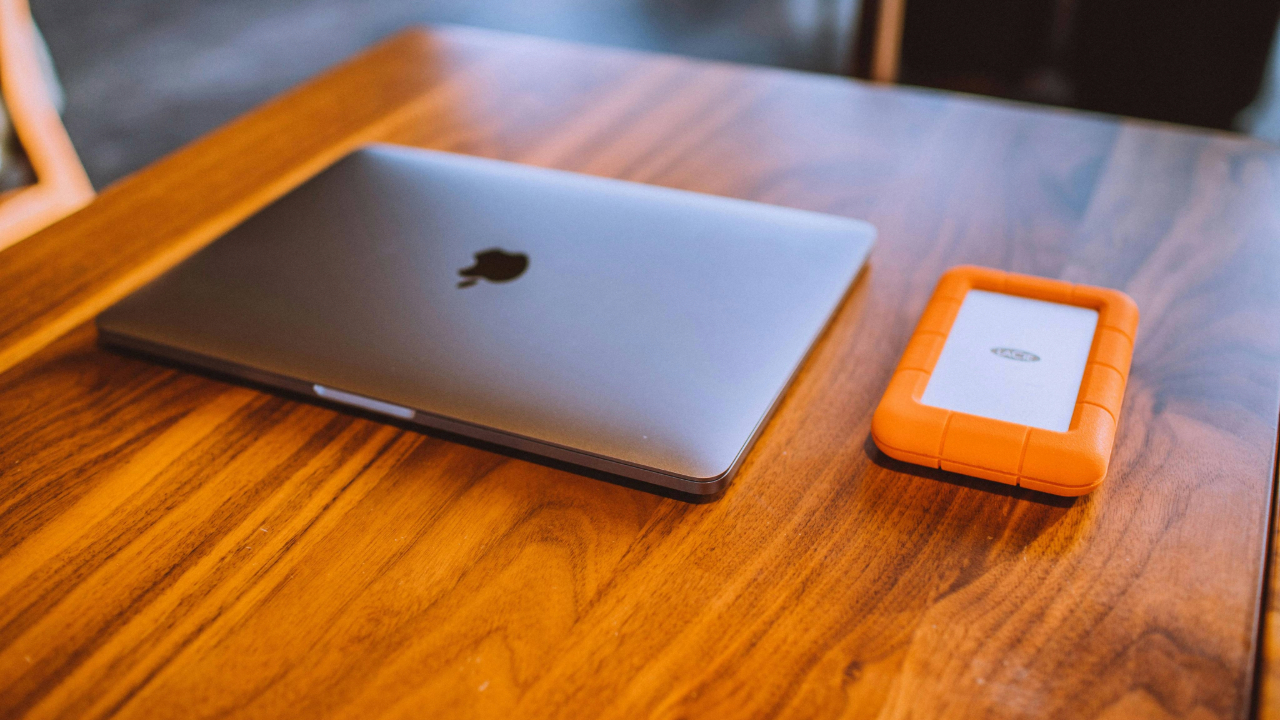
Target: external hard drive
(1012, 378)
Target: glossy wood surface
(172, 545)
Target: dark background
(143, 77)
(1186, 61)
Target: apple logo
(494, 265)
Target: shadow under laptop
(987, 486)
(412, 427)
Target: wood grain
(178, 546)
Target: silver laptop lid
(639, 325)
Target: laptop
(643, 332)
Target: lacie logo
(1019, 355)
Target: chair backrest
(61, 185)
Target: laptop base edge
(523, 448)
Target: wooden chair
(61, 185)
(878, 40)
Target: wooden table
(177, 546)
